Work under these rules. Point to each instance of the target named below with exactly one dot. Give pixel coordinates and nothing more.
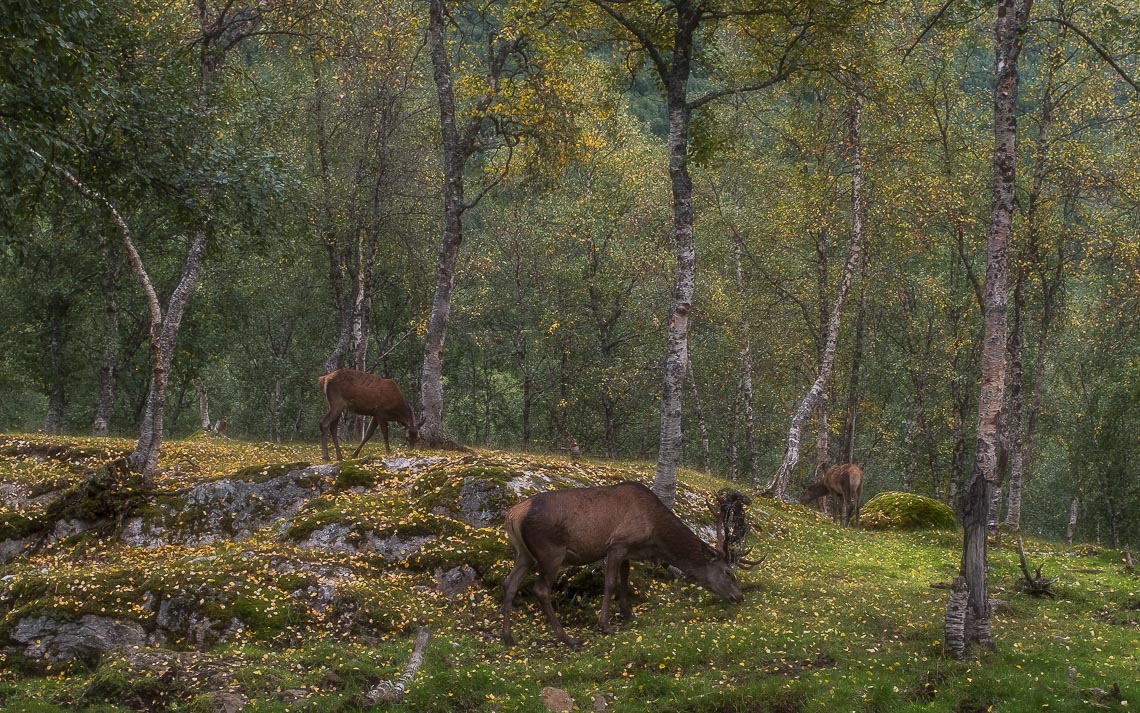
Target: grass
(835, 619)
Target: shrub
(906, 511)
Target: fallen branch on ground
(394, 691)
(1035, 585)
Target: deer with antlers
(617, 523)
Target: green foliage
(906, 511)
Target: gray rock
(292, 695)
(482, 502)
(67, 528)
(455, 581)
(57, 640)
(10, 549)
(415, 465)
(394, 547)
(228, 702)
(137, 534)
(333, 537)
(557, 700)
(182, 618)
(12, 495)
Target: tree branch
(136, 261)
(1097, 48)
(642, 37)
(929, 26)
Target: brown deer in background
(845, 481)
(620, 523)
(366, 395)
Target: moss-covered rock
(906, 511)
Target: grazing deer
(619, 523)
(366, 395)
(844, 480)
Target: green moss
(353, 475)
(906, 511)
(484, 550)
(486, 472)
(267, 471)
(116, 682)
(15, 525)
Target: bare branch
(929, 26)
(1096, 48)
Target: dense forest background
(301, 144)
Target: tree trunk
(144, 458)
(57, 309)
(745, 368)
(669, 449)
(731, 447)
(431, 428)
(203, 405)
(338, 260)
(1012, 16)
(778, 485)
(1022, 456)
(822, 435)
(104, 409)
(1016, 474)
(848, 445)
(1071, 529)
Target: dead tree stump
(1035, 585)
(955, 625)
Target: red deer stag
(619, 523)
(844, 480)
(366, 395)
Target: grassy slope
(833, 620)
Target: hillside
(249, 578)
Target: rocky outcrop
(228, 509)
(337, 537)
(85, 639)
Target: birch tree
(1012, 16)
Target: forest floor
(243, 578)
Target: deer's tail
(323, 383)
(513, 525)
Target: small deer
(620, 523)
(366, 395)
(846, 481)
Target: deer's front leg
(614, 558)
(623, 592)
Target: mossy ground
(835, 619)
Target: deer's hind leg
(329, 425)
(523, 564)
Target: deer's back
(364, 393)
(587, 522)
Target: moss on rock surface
(906, 511)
